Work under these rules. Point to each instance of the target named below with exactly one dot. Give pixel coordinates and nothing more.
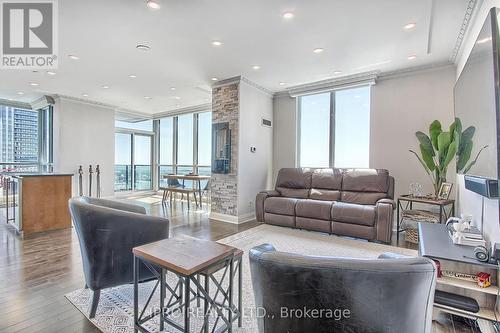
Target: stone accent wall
(224, 189)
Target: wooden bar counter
(41, 202)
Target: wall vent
(267, 122)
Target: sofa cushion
(299, 178)
(366, 180)
(293, 192)
(322, 194)
(362, 198)
(353, 213)
(281, 220)
(329, 179)
(313, 224)
(314, 209)
(279, 205)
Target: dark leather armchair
(327, 294)
(107, 231)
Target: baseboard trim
(231, 218)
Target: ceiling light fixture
(282, 83)
(35, 71)
(337, 72)
(256, 67)
(412, 57)
(20, 93)
(51, 73)
(153, 4)
(147, 97)
(33, 84)
(172, 88)
(143, 47)
(73, 57)
(177, 97)
(85, 95)
(214, 79)
(409, 26)
(132, 76)
(216, 43)
(105, 87)
(288, 15)
(483, 40)
(318, 50)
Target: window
(334, 129)
(123, 162)
(145, 125)
(25, 139)
(185, 145)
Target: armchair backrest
(107, 231)
(345, 294)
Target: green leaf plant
(439, 148)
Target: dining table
(193, 177)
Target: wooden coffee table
(191, 260)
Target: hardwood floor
(37, 271)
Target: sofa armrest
(387, 201)
(259, 203)
(392, 255)
(384, 218)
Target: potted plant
(439, 148)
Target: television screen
(476, 99)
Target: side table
(190, 260)
(406, 202)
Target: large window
(25, 139)
(334, 129)
(134, 155)
(185, 145)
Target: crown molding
(365, 78)
(240, 78)
(414, 70)
(15, 104)
(469, 16)
(190, 109)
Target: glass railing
(142, 177)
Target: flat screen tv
(476, 97)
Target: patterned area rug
(115, 312)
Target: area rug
(115, 311)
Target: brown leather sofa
(350, 202)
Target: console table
(406, 202)
(435, 243)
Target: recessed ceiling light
(51, 73)
(256, 67)
(85, 95)
(483, 40)
(20, 93)
(74, 57)
(337, 72)
(412, 57)
(143, 47)
(177, 97)
(216, 43)
(153, 4)
(409, 26)
(214, 79)
(105, 87)
(172, 88)
(318, 50)
(147, 97)
(282, 83)
(33, 84)
(35, 71)
(132, 76)
(288, 15)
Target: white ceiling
(357, 36)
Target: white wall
(400, 106)
(84, 134)
(254, 169)
(469, 202)
(285, 133)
